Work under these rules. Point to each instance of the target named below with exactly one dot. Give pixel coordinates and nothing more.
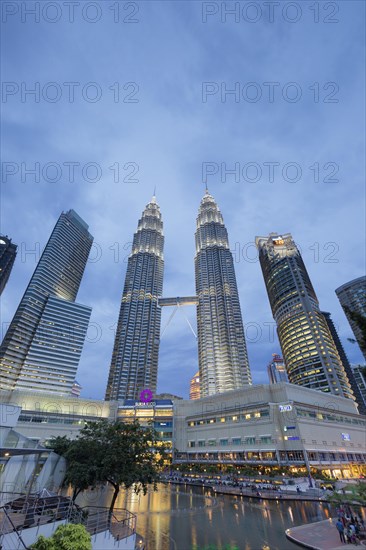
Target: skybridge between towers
(177, 302)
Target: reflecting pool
(183, 517)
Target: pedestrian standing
(340, 528)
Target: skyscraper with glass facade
(359, 373)
(346, 363)
(8, 251)
(222, 354)
(352, 297)
(134, 364)
(309, 351)
(43, 344)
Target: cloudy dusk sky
(267, 108)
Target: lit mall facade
(260, 425)
(272, 425)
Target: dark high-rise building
(222, 354)
(134, 364)
(346, 363)
(277, 370)
(8, 251)
(43, 344)
(352, 297)
(359, 373)
(309, 351)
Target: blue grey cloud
(165, 137)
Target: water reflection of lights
(267, 513)
(167, 522)
(290, 513)
(209, 515)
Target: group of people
(349, 526)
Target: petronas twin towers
(222, 354)
(134, 365)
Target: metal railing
(120, 523)
(7, 527)
(21, 514)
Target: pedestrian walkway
(271, 495)
(321, 535)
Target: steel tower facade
(8, 252)
(352, 296)
(43, 343)
(222, 354)
(134, 364)
(308, 348)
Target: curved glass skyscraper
(308, 348)
(222, 353)
(352, 296)
(134, 364)
(43, 344)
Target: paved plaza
(321, 535)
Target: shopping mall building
(272, 425)
(261, 425)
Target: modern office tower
(222, 354)
(309, 351)
(134, 365)
(352, 297)
(277, 370)
(43, 343)
(346, 363)
(8, 251)
(194, 387)
(359, 373)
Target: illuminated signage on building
(346, 437)
(285, 408)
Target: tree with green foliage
(66, 537)
(128, 456)
(122, 454)
(354, 493)
(81, 472)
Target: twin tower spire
(222, 353)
